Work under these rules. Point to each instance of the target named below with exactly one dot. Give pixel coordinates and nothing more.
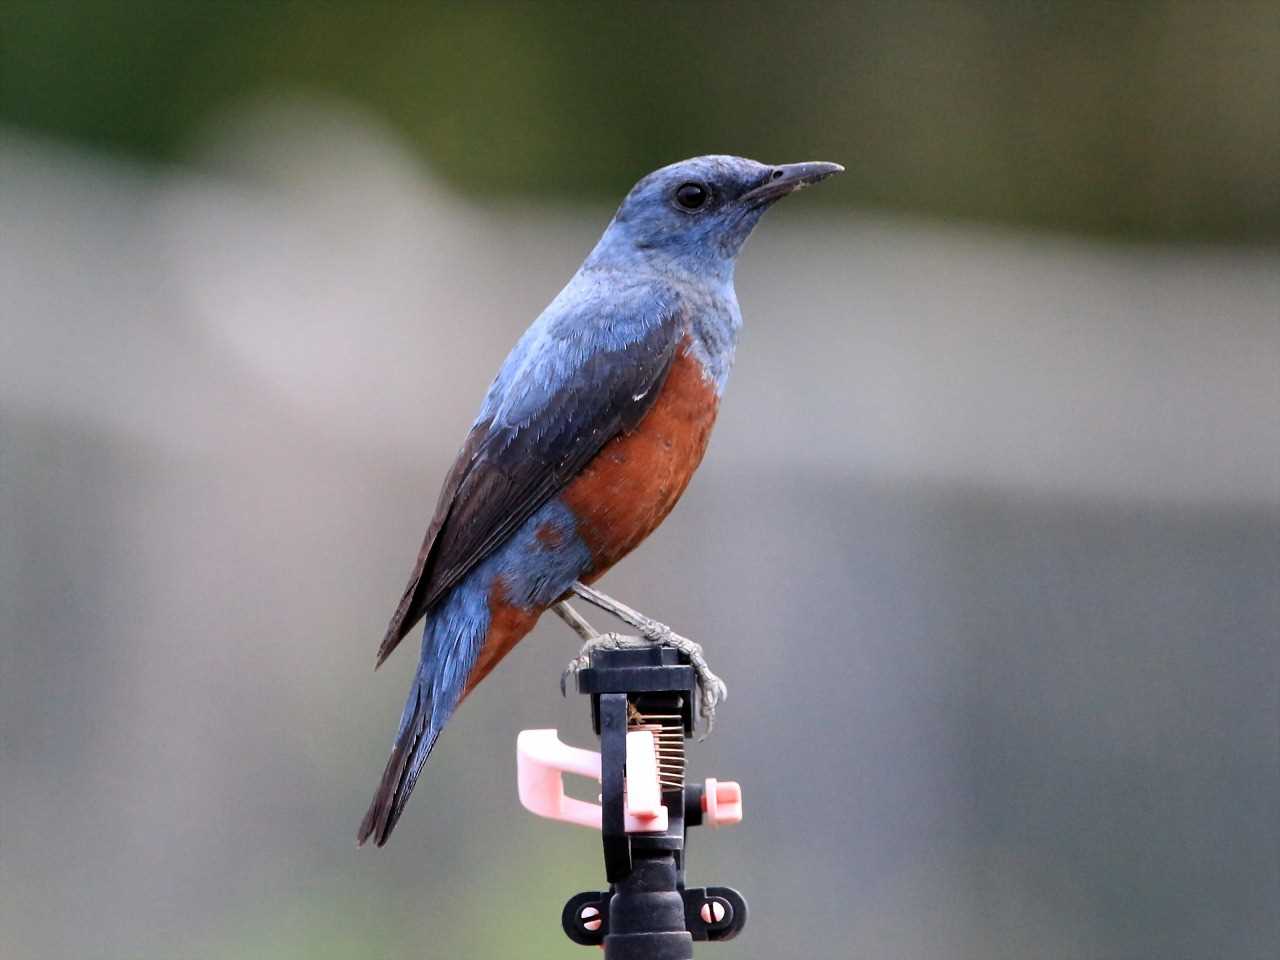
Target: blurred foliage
(1151, 118)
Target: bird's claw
(575, 666)
(712, 691)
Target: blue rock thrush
(586, 439)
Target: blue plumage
(601, 313)
(585, 438)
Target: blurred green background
(1148, 119)
(986, 545)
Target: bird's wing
(577, 379)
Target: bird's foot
(711, 689)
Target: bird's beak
(788, 178)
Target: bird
(585, 439)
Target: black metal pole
(646, 912)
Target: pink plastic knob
(721, 802)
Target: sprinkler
(643, 708)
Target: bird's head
(694, 216)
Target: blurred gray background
(987, 543)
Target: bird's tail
(413, 745)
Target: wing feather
(510, 465)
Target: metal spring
(668, 741)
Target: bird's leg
(591, 637)
(576, 621)
(711, 689)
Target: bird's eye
(691, 196)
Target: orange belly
(622, 495)
(631, 485)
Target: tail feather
(451, 643)
(416, 738)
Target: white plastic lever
(542, 760)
